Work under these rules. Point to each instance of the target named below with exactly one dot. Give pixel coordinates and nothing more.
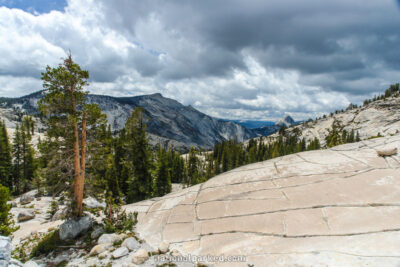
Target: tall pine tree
(138, 158)
(69, 119)
(5, 158)
(162, 179)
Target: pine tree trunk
(83, 163)
(77, 167)
(77, 163)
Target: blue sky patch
(35, 6)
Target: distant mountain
(249, 124)
(266, 130)
(169, 122)
(286, 121)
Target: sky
(232, 59)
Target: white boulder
(140, 256)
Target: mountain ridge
(168, 121)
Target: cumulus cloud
(238, 59)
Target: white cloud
(11, 86)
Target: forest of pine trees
(231, 154)
(17, 161)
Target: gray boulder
(73, 228)
(131, 243)
(25, 215)
(120, 252)
(5, 250)
(92, 203)
(28, 197)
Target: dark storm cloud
(253, 58)
(309, 36)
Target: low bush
(49, 243)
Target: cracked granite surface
(335, 207)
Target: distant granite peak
(286, 121)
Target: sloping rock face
(335, 207)
(381, 117)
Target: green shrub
(6, 222)
(117, 220)
(47, 244)
(53, 208)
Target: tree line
(231, 154)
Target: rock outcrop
(334, 207)
(379, 118)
